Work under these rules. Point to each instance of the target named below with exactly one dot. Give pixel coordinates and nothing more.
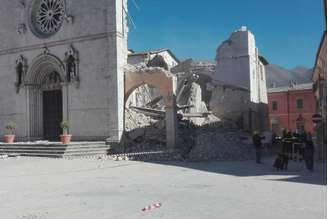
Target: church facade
(63, 60)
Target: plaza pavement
(33, 188)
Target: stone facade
(80, 52)
(239, 64)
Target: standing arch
(46, 89)
(166, 83)
(157, 77)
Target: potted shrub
(10, 137)
(65, 138)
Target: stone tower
(238, 63)
(62, 60)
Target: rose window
(47, 17)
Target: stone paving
(38, 188)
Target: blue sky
(287, 32)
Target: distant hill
(281, 76)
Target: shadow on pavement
(296, 173)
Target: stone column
(117, 59)
(65, 90)
(171, 122)
(34, 111)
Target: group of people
(292, 146)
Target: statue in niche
(21, 69)
(71, 69)
(71, 63)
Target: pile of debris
(201, 135)
(213, 141)
(135, 120)
(221, 144)
(150, 138)
(143, 133)
(149, 156)
(220, 140)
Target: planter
(9, 139)
(65, 139)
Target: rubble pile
(150, 138)
(135, 120)
(221, 144)
(213, 141)
(143, 133)
(201, 134)
(153, 138)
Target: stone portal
(46, 89)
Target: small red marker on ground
(151, 207)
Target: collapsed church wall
(216, 115)
(228, 102)
(218, 104)
(92, 95)
(239, 64)
(159, 58)
(146, 93)
(241, 74)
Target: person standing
(309, 152)
(289, 145)
(257, 141)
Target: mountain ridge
(278, 76)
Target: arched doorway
(52, 106)
(46, 98)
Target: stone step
(99, 153)
(4, 151)
(51, 146)
(87, 151)
(18, 151)
(57, 155)
(39, 155)
(67, 148)
(55, 149)
(32, 148)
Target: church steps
(17, 151)
(54, 150)
(83, 154)
(67, 148)
(39, 155)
